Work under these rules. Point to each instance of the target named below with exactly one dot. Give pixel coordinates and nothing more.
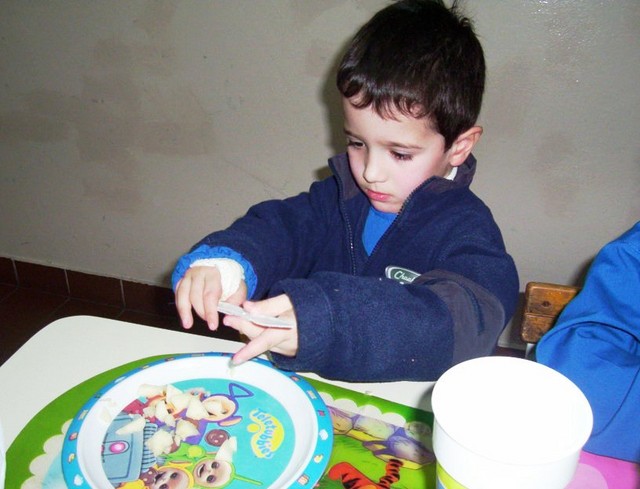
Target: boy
(596, 343)
(392, 269)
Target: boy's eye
(401, 156)
(354, 144)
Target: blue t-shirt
(376, 225)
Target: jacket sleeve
(596, 343)
(273, 240)
(346, 332)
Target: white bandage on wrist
(231, 273)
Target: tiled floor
(24, 311)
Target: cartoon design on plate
(200, 433)
(191, 467)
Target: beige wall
(129, 129)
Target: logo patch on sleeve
(402, 275)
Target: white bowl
(503, 422)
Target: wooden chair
(543, 303)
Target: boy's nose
(373, 169)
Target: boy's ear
(463, 145)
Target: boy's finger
(196, 295)
(242, 326)
(211, 297)
(273, 306)
(182, 303)
(254, 348)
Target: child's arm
(274, 240)
(234, 267)
(359, 329)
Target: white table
(74, 349)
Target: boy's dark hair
(420, 58)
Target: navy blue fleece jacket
(355, 322)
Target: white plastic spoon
(268, 321)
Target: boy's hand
(200, 289)
(263, 339)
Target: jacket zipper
(352, 251)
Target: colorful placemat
(376, 442)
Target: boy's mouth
(377, 196)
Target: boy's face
(390, 157)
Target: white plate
(282, 427)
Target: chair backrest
(543, 303)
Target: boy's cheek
(356, 165)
